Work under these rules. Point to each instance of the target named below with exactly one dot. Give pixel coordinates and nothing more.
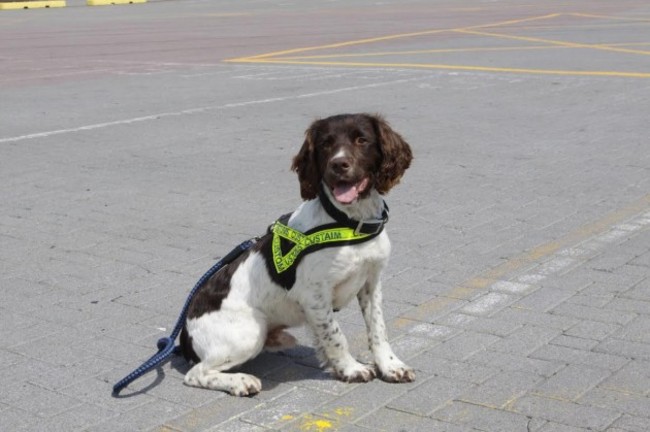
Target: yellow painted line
(630, 44)
(112, 2)
(584, 15)
(287, 57)
(515, 21)
(341, 44)
(32, 4)
(431, 51)
(554, 42)
(449, 67)
(384, 38)
(591, 26)
(482, 281)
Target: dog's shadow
(273, 368)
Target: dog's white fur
(325, 280)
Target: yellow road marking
(340, 44)
(430, 51)
(289, 56)
(515, 21)
(584, 15)
(385, 38)
(113, 2)
(451, 67)
(554, 42)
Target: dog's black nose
(341, 165)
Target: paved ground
(132, 153)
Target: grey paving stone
(594, 301)
(515, 288)
(593, 314)
(78, 418)
(612, 283)
(557, 427)
(315, 422)
(632, 423)
(500, 391)
(479, 324)
(636, 331)
(465, 345)
(602, 359)
(210, 415)
(432, 309)
(541, 319)
(571, 383)
(16, 419)
(455, 370)
(574, 342)
(627, 349)
(567, 413)
(386, 419)
(44, 403)
(634, 377)
(367, 398)
(640, 291)
(481, 417)
(525, 340)
(8, 359)
(97, 391)
(632, 404)
(286, 407)
(630, 305)
(160, 412)
(432, 331)
(235, 425)
(488, 304)
(431, 395)
(516, 363)
(408, 346)
(544, 299)
(594, 330)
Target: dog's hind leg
(223, 341)
(277, 340)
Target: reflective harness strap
(304, 242)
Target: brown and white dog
(353, 159)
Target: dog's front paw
(355, 372)
(397, 372)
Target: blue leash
(166, 345)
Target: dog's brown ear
(396, 155)
(306, 165)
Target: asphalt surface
(139, 142)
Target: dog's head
(351, 154)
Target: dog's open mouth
(347, 192)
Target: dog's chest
(354, 266)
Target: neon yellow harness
(303, 242)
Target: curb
(112, 2)
(32, 4)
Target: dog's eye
(361, 141)
(327, 141)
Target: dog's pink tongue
(345, 194)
